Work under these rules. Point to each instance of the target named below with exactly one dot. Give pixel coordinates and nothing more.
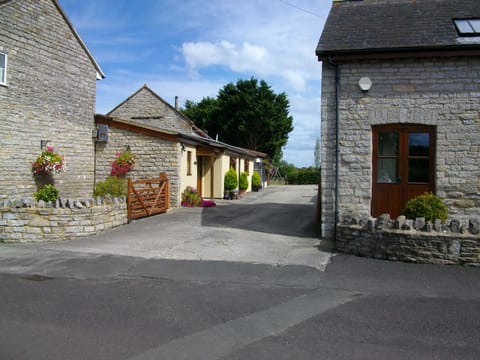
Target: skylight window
(468, 27)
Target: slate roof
(374, 26)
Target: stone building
(47, 95)
(146, 107)
(164, 140)
(400, 106)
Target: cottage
(164, 140)
(400, 106)
(47, 97)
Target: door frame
(401, 190)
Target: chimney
(176, 103)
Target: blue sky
(192, 48)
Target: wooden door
(403, 166)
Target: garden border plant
(428, 206)
(243, 183)
(256, 181)
(230, 183)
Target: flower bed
(191, 198)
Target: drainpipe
(337, 151)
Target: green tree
(246, 114)
(317, 154)
(200, 113)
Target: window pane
(418, 144)
(463, 26)
(388, 144)
(387, 171)
(418, 170)
(476, 25)
(2, 68)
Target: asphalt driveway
(274, 227)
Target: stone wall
(146, 107)
(443, 92)
(29, 221)
(154, 155)
(50, 95)
(456, 241)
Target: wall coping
(63, 203)
(457, 225)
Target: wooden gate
(148, 197)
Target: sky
(193, 48)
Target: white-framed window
(3, 69)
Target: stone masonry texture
(50, 95)
(456, 241)
(442, 92)
(147, 108)
(153, 154)
(29, 221)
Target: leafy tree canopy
(246, 114)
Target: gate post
(129, 200)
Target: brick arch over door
(403, 165)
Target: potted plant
(243, 183)
(256, 182)
(230, 183)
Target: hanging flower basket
(123, 164)
(48, 163)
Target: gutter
(337, 151)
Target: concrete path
(274, 227)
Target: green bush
(47, 193)
(113, 185)
(230, 180)
(243, 185)
(428, 206)
(304, 176)
(256, 181)
(190, 197)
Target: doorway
(403, 166)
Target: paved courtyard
(273, 227)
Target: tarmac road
(113, 297)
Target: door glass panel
(387, 171)
(418, 170)
(388, 144)
(387, 159)
(418, 144)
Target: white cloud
(243, 58)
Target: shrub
(243, 185)
(190, 197)
(256, 181)
(230, 180)
(47, 193)
(304, 176)
(113, 185)
(428, 206)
